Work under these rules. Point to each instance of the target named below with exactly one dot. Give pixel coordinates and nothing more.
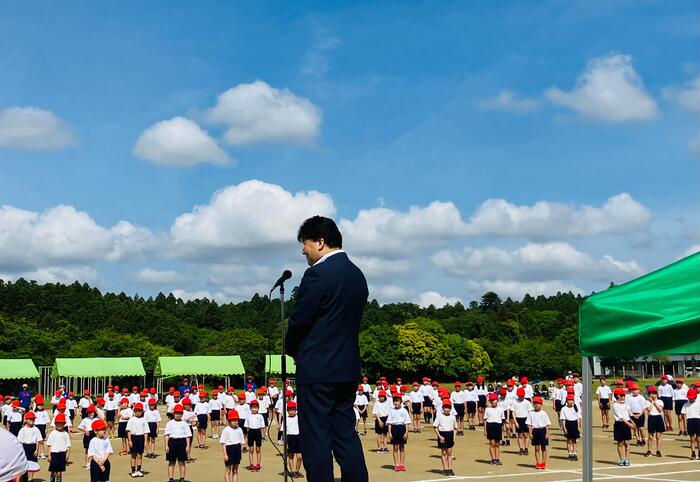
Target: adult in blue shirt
(185, 386)
(25, 397)
(251, 381)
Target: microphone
(285, 276)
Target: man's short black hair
(317, 228)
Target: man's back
(324, 329)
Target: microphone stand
(284, 385)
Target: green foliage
(535, 336)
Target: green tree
(419, 350)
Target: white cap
(13, 462)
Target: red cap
(426, 379)
(292, 405)
(619, 382)
(479, 379)
(176, 393)
(360, 389)
(201, 387)
(100, 401)
(116, 388)
(138, 406)
(398, 380)
(696, 384)
(144, 393)
(382, 393)
(39, 400)
(178, 409)
(62, 404)
(15, 403)
(404, 388)
(152, 390)
(503, 391)
(134, 389)
(537, 400)
(679, 380)
(59, 418)
(493, 396)
(125, 390)
(230, 389)
(90, 409)
(436, 384)
(152, 401)
(560, 381)
(202, 394)
(569, 383)
(520, 392)
(232, 415)
(86, 392)
(241, 396)
(570, 397)
(692, 394)
(186, 401)
(254, 402)
(458, 384)
(652, 389)
(289, 392)
(29, 415)
(99, 425)
(171, 390)
(664, 377)
(416, 384)
(523, 380)
(510, 383)
(214, 392)
(570, 390)
(70, 394)
(271, 381)
(446, 403)
(619, 391)
(57, 392)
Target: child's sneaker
(627, 462)
(621, 463)
(397, 468)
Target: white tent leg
(587, 413)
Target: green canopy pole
(587, 413)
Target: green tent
(22, 368)
(98, 367)
(273, 364)
(656, 314)
(171, 366)
(651, 315)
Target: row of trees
(534, 336)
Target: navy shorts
(471, 407)
(449, 440)
(177, 450)
(415, 407)
(397, 433)
(494, 431)
(656, 424)
(293, 444)
(233, 452)
(381, 430)
(668, 402)
(621, 431)
(538, 437)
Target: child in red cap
(416, 399)
(459, 403)
(123, 415)
(360, 407)
(380, 410)
(482, 392)
(216, 405)
(691, 410)
(85, 426)
(15, 417)
(521, 407)
(603, 393)
(680, 397)
(99, 451)
(539, 423)
(202, 410)
(136, 429)
(30, 437)
(58, 443)
(178, 442)
(293, 445)
(445, 425)
(398, 421)
(622, 429)
(570, 415)
(656, 424)
(231, 441)
(255, 423)
(493, 428)
(153, 418)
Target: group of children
(136, 419)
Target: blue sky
(389, 105)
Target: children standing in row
(539, 423)
(657, 421)
(622, 429)
(398, 421)
(293, 444)
(136, 429)
(178, 441)
(58, 444)
(493, 428)
(99, 451)
(445, 426)
(153, 418)
(571, 418)
(231, 442)
(380, 410)
(30, 437)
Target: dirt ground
(423, 461)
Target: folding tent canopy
(657, 314)
(93, 373)
(22, 368)
(173, 366)
(273, 364)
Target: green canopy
(170, 366)
(18, 368)
(657, 314)
(98, 367)
(273, 364)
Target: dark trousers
(327, 429)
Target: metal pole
(284, 387)
(587, 413)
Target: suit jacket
(323, 333)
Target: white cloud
(388, 293)
(609, 90)
(33, 128)
(178, 142)
(186, 295)
(64, 235)
(167, 277)
(434, 298)
(257, 112)
(620, 214)
(252, 216)
(378, 267)
(533, 262)
(383, 231)
(56, 274)
(516, 289)
(692, 250)
(687, 96)
(508, 101)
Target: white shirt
(244, 411)
(194, 397)
(112, 404)
(189, 418)
(254, 420)
(264, 403)
(426, 390)
(169, 398)
(636, 403)
(175, 429)
(125, 414)
(16, 416)
(202, 408)
(398, 416)
(471, 396)
(86, 425)
(361, 401)
(578, 390)
(231, 436)
(42, 417)
(216, 404)
(133, 398)
(415, 397)
(621, 412)
(445, 423)
(152, 416)
(665, 390)
(171, 405)
(655, 408)
(29, 435)
(366, 388)
(569, 413)
(99, 447)
(58, 441)
(458, 397)
(681, 393)
(481, 390)
(494, 414)
(521, 408)
(381, 409)
(230, 402)
(293, 423)
(85, 402)
(273, 391)
(538, 419)
(250, 396)
(328, 255)
(71, 404)
(137, 426)
(529, 392)
(691, 410)
(603, 392)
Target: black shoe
(451, 472)
(527, 452)
(498, 462)
(575, 457)
(648, 454)
(445, 472)
(658, 453)
(508, 443)
(692, 456)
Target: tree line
(537, 336)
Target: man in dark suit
(323, 338)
